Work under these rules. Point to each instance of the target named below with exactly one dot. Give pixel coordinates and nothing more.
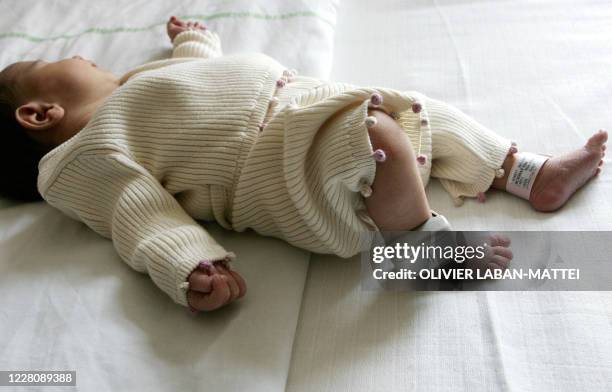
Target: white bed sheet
(536, 72)
(67, 302)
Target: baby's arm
(151, 232)
(192, 39)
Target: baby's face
(74, 78)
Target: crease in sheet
(485, 304)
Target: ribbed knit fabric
(181, 139)
(204, 44)
(466, 155)
(302, 179)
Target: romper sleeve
(151, 232)
(193, 43)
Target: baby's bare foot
(563, 175)
(175, 26)
(497, 254)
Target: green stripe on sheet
(198, 17)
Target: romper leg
(466, 156)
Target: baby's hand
(212, 286)
(175, 26)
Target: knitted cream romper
(311, 166)
(242, 141)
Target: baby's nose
(78, 57)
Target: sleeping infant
(241, 140)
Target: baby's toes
(597, 140)
(502, 251)
(499, 261)
(499, 240)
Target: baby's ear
(39, 116)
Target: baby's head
(43, 104)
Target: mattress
(535, 72)
(67, 302)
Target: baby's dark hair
(19, 154)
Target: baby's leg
(398, 200)
(468, 159)
(466, 156)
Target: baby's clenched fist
(175, 26)
(212, 286)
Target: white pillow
(121, 34)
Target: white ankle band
(523, 174)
